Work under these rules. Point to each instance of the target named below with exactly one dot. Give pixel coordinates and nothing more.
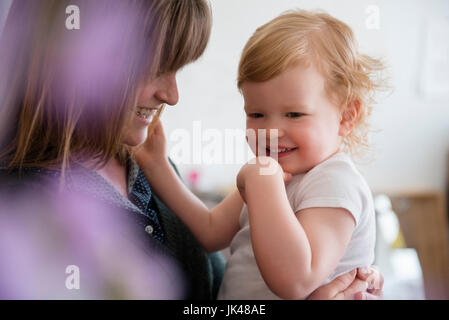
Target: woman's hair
(66, 95)
(315, 37)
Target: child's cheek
(251, 137)
(304, 136)
(309, 141)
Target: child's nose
(275, 133)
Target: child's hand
(260, 166)
(153, 150)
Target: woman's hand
(375, 281)
(153, 150)
(260, 166)
(354, 285)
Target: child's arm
(295, 252)
(215, 228)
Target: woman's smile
(145, 115)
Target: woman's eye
(294, 114)
(255, 115)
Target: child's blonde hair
(316, 37)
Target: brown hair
(316, 37)
(66, 95)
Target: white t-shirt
(333, 183)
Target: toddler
(312, 219)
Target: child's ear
(349, 118)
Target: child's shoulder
(338, 172)
(335, 182)
(338, 165)
(339, 162)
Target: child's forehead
(296, 85)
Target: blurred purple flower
(40, 237)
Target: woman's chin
(135, 139)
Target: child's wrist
(152, 164)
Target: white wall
(411, 143)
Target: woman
(75, 102)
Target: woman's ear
(349, 118)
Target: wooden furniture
(424, 223)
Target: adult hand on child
(260, 166)
(354, 285)
(375, 282)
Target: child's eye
(294, 114)
(255, 115)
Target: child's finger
(158, 128)
(287, 176)
(155, 122)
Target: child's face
(295, 103)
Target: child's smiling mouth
(281, 151)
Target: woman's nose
(168, 89)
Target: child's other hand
(260, 166)
(153, 150)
